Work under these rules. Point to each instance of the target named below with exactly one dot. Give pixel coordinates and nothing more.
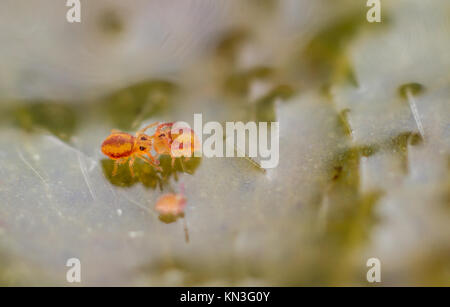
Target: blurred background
(364, 119)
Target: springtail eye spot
(142, 148)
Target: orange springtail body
(171, 204)
(165, 141)
(123, 147)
